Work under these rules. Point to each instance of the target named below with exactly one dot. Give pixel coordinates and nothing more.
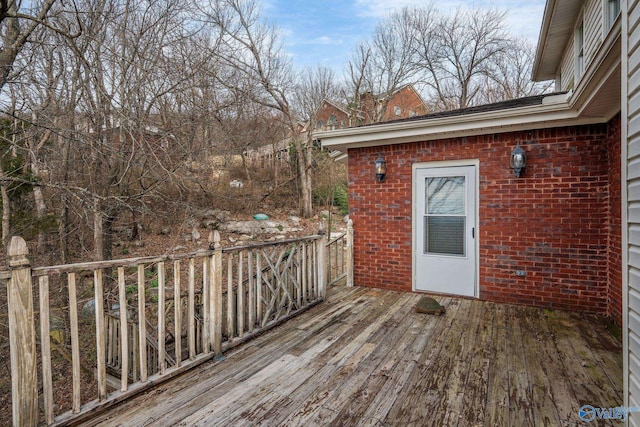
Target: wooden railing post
(216, 291)
(322, 262)
(349, 248)
(22, 336)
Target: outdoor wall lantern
(380, 168)
(518, 160)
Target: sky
(325, 32)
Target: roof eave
(554, 34)
(542, 37)
(555, 110)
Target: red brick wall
(615, 222)
(409, 102)
(325, 112)
(553, 222)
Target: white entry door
(445, 221)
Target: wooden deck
(366, 358)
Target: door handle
(473, 232)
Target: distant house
(330, 116)
(270, 155)
(400, 103)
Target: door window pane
(445, 235)
(445, 195)
(445, 218)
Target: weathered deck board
(520, 396)
(268, 386)
(194, 390)
(584, 371)
(497, 399)
(417, 398)
(377, 394)
(545, 411)
(366, 358)
(355, 362)
(477, 382)
(546, 357)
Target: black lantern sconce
(380, 168)
(518, 160)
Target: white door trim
(414, 200)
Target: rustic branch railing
(129, 324)
(339, 257)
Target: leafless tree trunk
(33, 146)
(6, 209)
(41, 211)
(357, 69)
(16, 27)
(458, 51)
(98, 231)
(511, 75)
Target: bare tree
(358, 69)
(251, 49)
(379, 67)
(97, 99)
(315, 85)
(511, 74)
(467, 45)
(18, 22)
(458, 60)
(16, 26)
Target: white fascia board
(342, 158)
(553, 112)
(542, 38)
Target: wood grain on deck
(366, 358)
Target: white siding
(593, 17)
(593, 21)
(566, 68)
(631, 133)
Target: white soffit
(558, 24)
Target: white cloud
(381, 8)
(326, 40)
(285, 32)
(523, 17)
